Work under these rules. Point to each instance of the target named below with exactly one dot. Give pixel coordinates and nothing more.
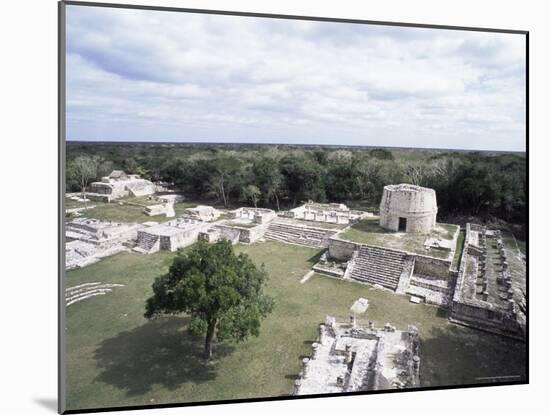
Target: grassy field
(368, 231)
(116, 357)
(129, 210)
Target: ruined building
(408, 208)
(119, 184)
(351, 358)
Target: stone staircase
(378, 266)
(147, 243)
(299, 235)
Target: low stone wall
(251, 235)
(341, 250)
(229, 233)
(431, 266)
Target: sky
(156, 76)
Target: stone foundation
(486, 296)
(351, 358)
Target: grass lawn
(131, 210)
(117, 357)
(368, 231)
(459, 248)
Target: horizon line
(290, 144)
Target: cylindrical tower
(408, 208)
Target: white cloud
(177, 76)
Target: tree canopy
(484, 184)
(222, 292)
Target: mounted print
(261, 207)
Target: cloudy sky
(161, 76)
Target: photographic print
(259, 207)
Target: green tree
(303, 179)
(225, 176)
(252, 193)
(221, 291)
(269, 178)
(85, 169)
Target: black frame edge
(291, 17)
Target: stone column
(305, 370)
(297, 384)
(348, 355)
(416, 363)
(315, 350)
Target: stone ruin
(246, 225)
(330, 266)
(252, 215)
(291, 232)
(408, 208)
(487, 291)
(489, 295)
(336, 213)
(119, 184)
(348, 357)
(88, 240)
(166, 208)
(170, 236)
(203, 213)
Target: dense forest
(485, 185)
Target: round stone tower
(408, 208)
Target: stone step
(378, 266)
(387, 267)
(392, 284)
(376, 277)
(295, 241)
(374, 270)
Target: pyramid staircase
(147, 243)
(380, 266)
(299, 235)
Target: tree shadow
(442, 312)
(158, 352)
(458, 355)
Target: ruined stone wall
(229, 233)
(416, 204)
(340, 249)
(179, 240)
(468, 309)
(251, 235)
(431, 266)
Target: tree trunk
(223, 193)
(84, 197)
(211, 331)
(277, 200)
